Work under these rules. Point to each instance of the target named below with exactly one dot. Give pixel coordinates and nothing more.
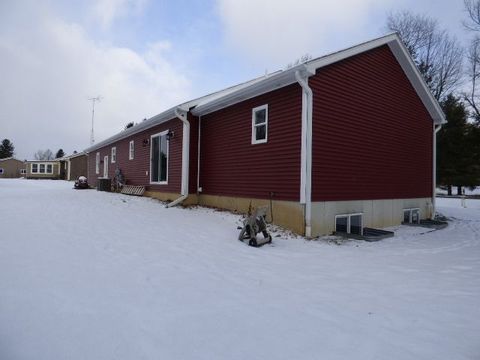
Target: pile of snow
(93, 275)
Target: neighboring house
(11, 168)
(73, 166)
(340, 142)
(43, 169)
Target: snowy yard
(92, 275)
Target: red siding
(137, 171)
(232, 166)
(372, 136)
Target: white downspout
(182, 115)
(306, 158)
(434, 178)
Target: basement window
(259, 124)
(349, 223)
(131, 150)
(411, 216)
(113, 158)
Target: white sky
(144, 56)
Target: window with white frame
(1, 171)
(113, 158)
(159, 158)
(349, 223)
(97, 163)
(23, 171)
(259, 124)
(41, 168)
(131, 150)
(411, 216)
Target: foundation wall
(288, 214)
(376, 213)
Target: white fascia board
(264, 85)
(404, 59)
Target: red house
(340, 142)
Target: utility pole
(93, 100)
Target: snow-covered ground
(92, 275)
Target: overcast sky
(145, 56)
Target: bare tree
(437, 54)
(473, 11)
(472, 23)
(44, 155)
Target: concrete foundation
(376, 213)
(290, 214)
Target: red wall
(232, 166)
(372, 136)
(135, 171)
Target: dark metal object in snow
(432, 224)
(104, 184)
(369, 234)
(253, 225)
(81, 183)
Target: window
(260, 124)
(1, 171)
(131, 150)
(97, 163)
(159, 158)
(349, 223)
(114, 155)
(411, 216)
(42, 168)
(23, 171)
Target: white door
(105, 167)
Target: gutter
(306, 155)
(182, 115)
(436, 129)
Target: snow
(93, 275)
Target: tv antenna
(93, 100)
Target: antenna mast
(93, 100)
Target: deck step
(137, 190)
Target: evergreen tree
(6, 149)
(59, 154)
(457, 147)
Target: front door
(105, 167)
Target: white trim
(113, 157)
(105, 167)
(348, 216)
(45, 172)
(160, 134)
(69, 172)
(97, 163)
(131, 150)
(254, 125)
